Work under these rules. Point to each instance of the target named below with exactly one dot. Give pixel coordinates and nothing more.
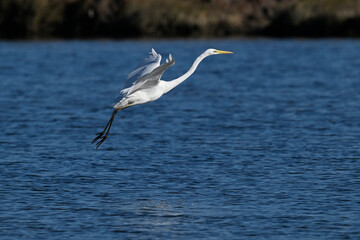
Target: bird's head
(212, 51)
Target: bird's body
(143, 96)
(144, 84)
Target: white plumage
(144, 84)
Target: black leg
(101, 135)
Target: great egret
(143, 85)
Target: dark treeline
(29, 19)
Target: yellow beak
(223, 52)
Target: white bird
(143, 85)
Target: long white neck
(171, 84)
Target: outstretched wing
(147, 66)
(151, 79)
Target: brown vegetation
(168, 18)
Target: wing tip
(155, 55)
(153, 52)
(170, 59)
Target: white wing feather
(149, 64)
(151, 79)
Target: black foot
(99, 135)
(101, 141)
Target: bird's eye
(214, 51)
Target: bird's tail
(100, 136)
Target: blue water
(262, 144)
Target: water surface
(262, 144)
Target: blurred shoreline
(156, 19)
(174, 39)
